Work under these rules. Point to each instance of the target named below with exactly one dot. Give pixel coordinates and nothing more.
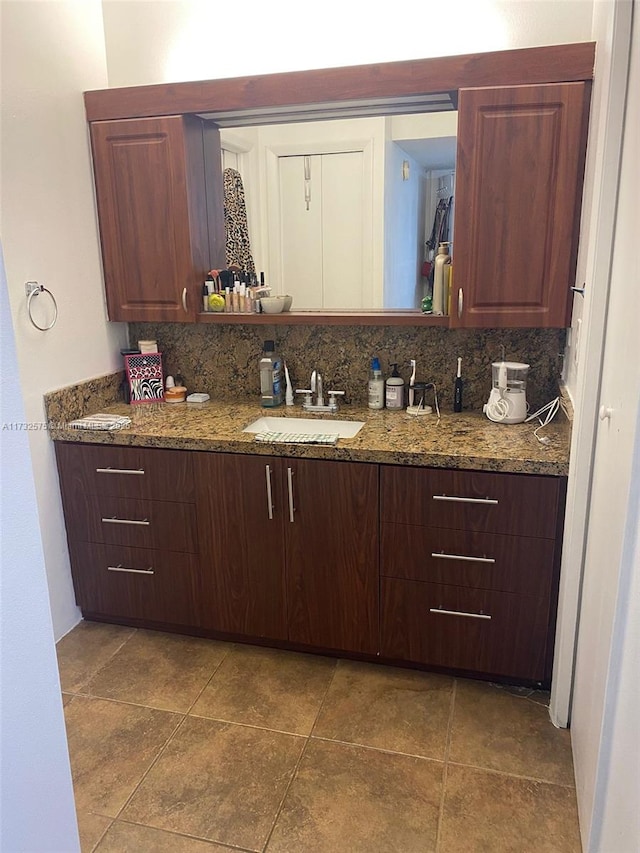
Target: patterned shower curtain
(235, 221)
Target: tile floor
(185, 745)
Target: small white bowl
(272, 304)
(287, 303)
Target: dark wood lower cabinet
(494, 633)
(241, 555)
(136, 583)
(433, 568)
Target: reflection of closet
(322, 233)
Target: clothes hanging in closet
(238, 246)
(439, 234)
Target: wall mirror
(339, 210)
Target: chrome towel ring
(33, 289)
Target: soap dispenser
(394, 390)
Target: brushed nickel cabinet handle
(292, 508)
(443, 556)
(113, 520)
(120, 568)
(460, 500)
(267, 470)
(184, 300)
(119, 470)
(460, 301)
(459, 613)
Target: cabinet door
(519, 173)
(331, 532)
(241, 544)
(151, 188)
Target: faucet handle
(307, 395)
(336, 393)
(333, 403)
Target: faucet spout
(316, 387)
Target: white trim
(604, 155)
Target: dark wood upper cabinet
(159, 197)
(519, 174)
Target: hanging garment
(238, 246)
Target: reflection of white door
(322, 230)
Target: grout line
(247, 725)
(95, 672)
(376, 748)
(299, 761)
(447, 749)
(102, 835)
(569, 787)
(210, 679)
(203, 838)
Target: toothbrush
(289, 389)
(412, 381)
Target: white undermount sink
(327, 426)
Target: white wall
(52, 52)
(36, 795)
(153, 42)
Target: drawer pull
(443, 556)
(267, 470)
(114, 520)
(120, 568)
(464, 500)
(119, 470)
(459, 613)
(292, 508)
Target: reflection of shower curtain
(235, 223)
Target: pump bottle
(394, 389)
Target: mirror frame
(382, 82)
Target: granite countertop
(466, 440)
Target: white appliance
(507, 402)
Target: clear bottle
(376, 386)
(394, 389)
(270, 376)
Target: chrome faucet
(316, 388)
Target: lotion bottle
(394, 389)
(440, 279)
(376, 386)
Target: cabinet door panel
(133, 522)
(519, 165)
(516, 504)
(136, 583)
(490, 632)
(241, 547)
(332, 554)
(461, 558)
(128, 472)
(151, 198)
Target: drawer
(128, 472)
(517, 504)
(462, 558)
(494, 633)
(130, 521)
(136, 583)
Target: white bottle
(376, 386)
(394, 389)
(440, 279)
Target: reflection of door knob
(605, 413)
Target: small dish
(287, 302)
(272, 304)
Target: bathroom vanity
(430, 544)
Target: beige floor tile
(165, 671)
(486, 812)
(85, 649)
(267, 687)
(348, 798)
(91, 828)
(498, 731)
(396, 709)
(111, 746)
(130, 838)
(218, 781)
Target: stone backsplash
(223, 360)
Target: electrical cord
(497, 410)
(551, 410)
